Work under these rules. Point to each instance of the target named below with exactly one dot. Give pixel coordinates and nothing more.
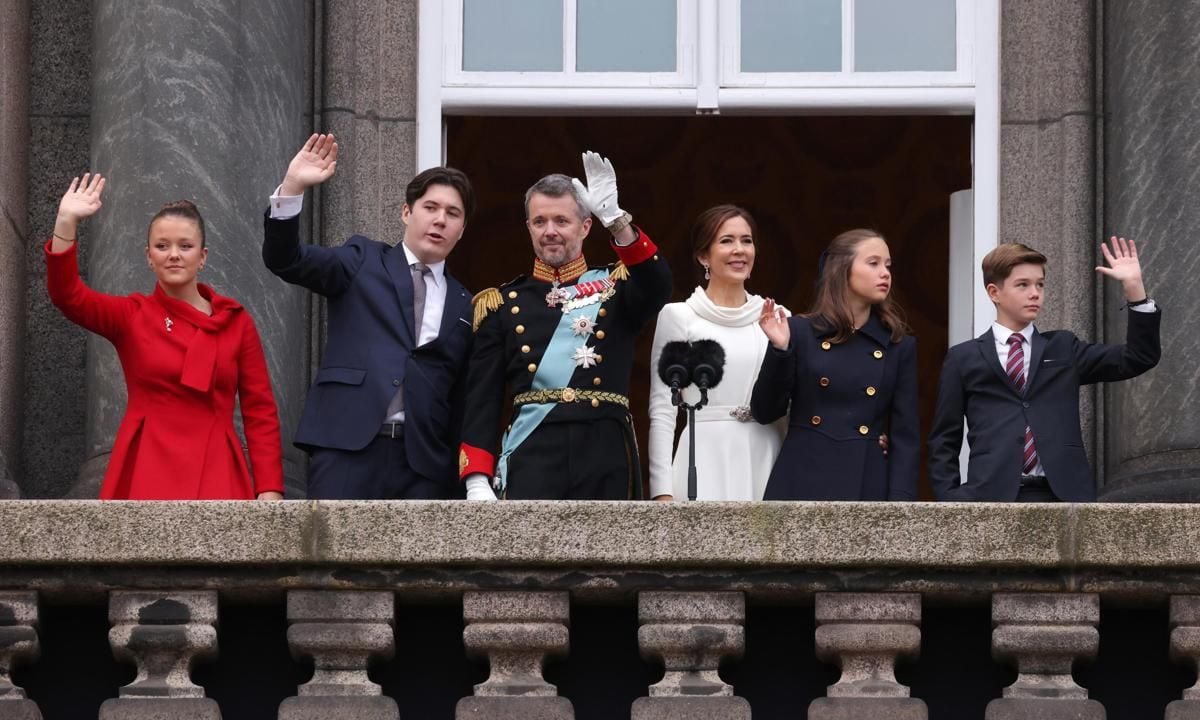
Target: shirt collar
(437, 270)
(1002, 333)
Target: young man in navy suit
(383, 415)
(1019, 388)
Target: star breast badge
(583, 326)
(585, 357)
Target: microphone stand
(691, 409)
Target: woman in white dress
(734, 454)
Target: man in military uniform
(561, 339)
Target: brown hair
(179, 208)
(451, 177)
(999, 263)
(829, 311)
(704, 230)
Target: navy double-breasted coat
(840, 398)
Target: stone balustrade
(868, 579)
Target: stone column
(690, 633)
(1048, 121)
(515, 630)
(164, 634)
(18, 644)
(204, 101)
(864, 634)
(1185, 647)
(1152, 147)
(341, 631)
(14, 177)
(1044, 634)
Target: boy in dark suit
(1019, 388)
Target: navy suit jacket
(974, 386)
(371, 349)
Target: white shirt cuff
(285, 207)
(1147, 307)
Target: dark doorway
(805, 179)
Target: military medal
(585, 357)
(557, 295)
(582, 326)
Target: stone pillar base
(860, 708)
(339, 708)
(1178, 710)
(1035, 709)
(514, 708)
(688, 708)
(160, 709)
(28, 710)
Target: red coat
(183, 370)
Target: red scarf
(200, 361)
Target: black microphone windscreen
(673, 359)
(709, 352)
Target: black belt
(394, 431)
(1035, 481)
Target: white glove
(600, 193)
(478, 488)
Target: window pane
(625, 35)
(791, 35)
(512, 35)
(909, 35)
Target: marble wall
(1151, 186)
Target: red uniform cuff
(474, 460)
(638, 251)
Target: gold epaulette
(619, 272)
(484, 303)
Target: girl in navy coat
(846, 371)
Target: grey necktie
(419, 271)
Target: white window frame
(848, 77)
(442, 89)
(683, 76)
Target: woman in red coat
(186, 353)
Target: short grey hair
(556, 185)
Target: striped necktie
(1016, 373)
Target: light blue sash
(555, 371)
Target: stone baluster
(1185, 647)
(341, 631)
(516, 631)
(1044, 634)
(18, 643)
(690, 632)
(164, 634)
(864, 634)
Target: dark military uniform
(842, 397)
(584, 448)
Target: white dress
(733, 458)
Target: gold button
(599, 358)
(825, 345)
(595, 402)
(863, 429)
(870, 392)
(512, 294)
(824, 382)
(599, 334)
(655, 257)
(520, 329)
(603, 312)
(878, 354)
(816, 419)
(595, 381)
(532, 367)
(516, 309)
(525, 348)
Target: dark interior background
(805, 179)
